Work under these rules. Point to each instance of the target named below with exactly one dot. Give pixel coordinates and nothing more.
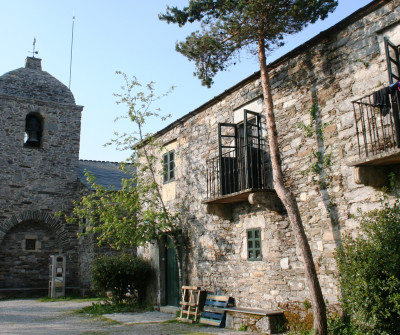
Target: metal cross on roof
(34, 52)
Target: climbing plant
(320, 160)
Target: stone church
(41, 174)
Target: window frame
(251, 243)
(168, 167)
(30, 244)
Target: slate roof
(107, 174)
(373, 5)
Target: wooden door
(172, 274)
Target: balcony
(377, 122)
(241, 172)
(378, 138)
(235, 174)
(378, 130)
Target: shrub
(101, 308)
(298, 317)
(121, 275)
(340, 324)
(369, 272)
(243, 328)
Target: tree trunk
(288, 200)
(177, 241)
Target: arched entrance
(24, 255)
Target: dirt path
(57, 318)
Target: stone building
(336, 149)
(40, 169)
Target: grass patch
(68, 298)
(173, 321)
(101, 308)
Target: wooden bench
(255, 319)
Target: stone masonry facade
(338, 66)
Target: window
(254, 244)
(33, 130)
(30, 244)
(168, 167)
(83, 224)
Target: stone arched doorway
(26, 242)
(24, 255)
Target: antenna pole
(72, 44)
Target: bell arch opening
(33, 130)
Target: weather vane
(34, 52)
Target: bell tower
(40, 135)
(40, 131)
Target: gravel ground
(57, 318)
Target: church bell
(33, 129)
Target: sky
(127, 36)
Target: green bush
(121, 275)
(243, 328)
(369, 273)
(340, 325)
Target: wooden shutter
(393, 61)
(228, 157)
(393, 65)
(252, 153)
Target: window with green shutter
(168, 167)
(254, 244)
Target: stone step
(169, 309)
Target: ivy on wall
(321, 161)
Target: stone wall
(255, 323)
(331, 71)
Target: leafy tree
(369, 272)
(228, 26)
(135, 214)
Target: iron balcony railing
(235, 171)
(377, 127)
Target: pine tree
(228, 27)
